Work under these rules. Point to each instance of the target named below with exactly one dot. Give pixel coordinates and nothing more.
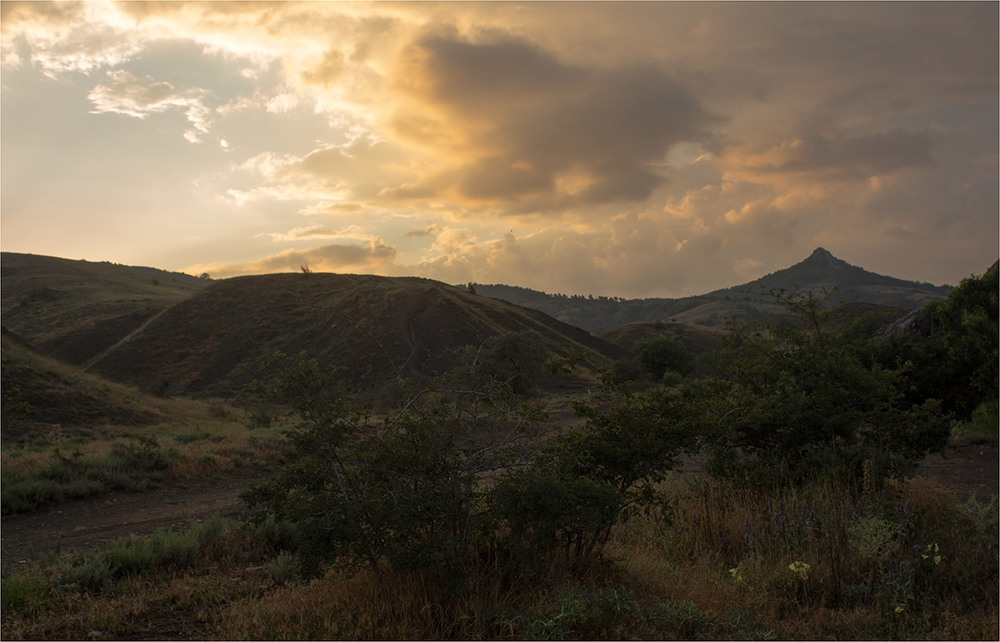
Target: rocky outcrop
(917, 321)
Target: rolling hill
(213, 342)
(174, 334)
(74, 310)
(818, 272)
(62, 396)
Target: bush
(663, 355)
(958, 363)
(460, 467)
(402, 488)
(801, 402)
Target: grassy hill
(374, 327)
(64, 398)
(820, 271)
(171, 333)
(74, 310)
(698, 339)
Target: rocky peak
(821, 256)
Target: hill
(698, 339)
(61, 396)
(74, 310)
(819, 272)
(213, 342)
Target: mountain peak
(823, 256)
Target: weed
(22, 594)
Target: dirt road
(107, 517)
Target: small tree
(402, 487)
(516, 359)
(662, 355)
(591, 478)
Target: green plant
(22, 594)
(874, 538)
(800, 402)
(662, 355)
(401, 488)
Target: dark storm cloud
(528, 128)
(850, 158)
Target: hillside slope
(74, 310)
(821, 271)
(61, 396)
(213, 343)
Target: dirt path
(963, 470)
(104, 518)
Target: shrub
(800, 402)
(663, 355)
(400, 488)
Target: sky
(608, 148)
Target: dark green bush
(799, 402)
(663, 355)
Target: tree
(799, 401)
(969, 341)
(591, 478)
(661, 355)
(958, 362)
(402, 487)
(516, 359)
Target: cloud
(373, 256)
(321, 232)
(526, 130)
(128, 95)
(332, 179)
(63, 37)
(632, 255)
(824, 158)
(430, 230)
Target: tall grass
(35, 476)
(132, 464)
(907, 561)
(904, 561)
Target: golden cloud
(526, 130)
(375, 256)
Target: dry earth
(973, 468)
(101, 519)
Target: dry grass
(659, 579)
(713, 562)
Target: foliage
(587, 480)
(454, 471)
(799, 401)
(969, 319)
(958, 363)
(515, 359)
(401, 488)
(14, 409)
(132, 464)
(666, 577)
(662, 355)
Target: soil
(87, 522)
(965, 470)
(962, 470)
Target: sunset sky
(621, 149)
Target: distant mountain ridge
(818, 273)
(171, 333)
